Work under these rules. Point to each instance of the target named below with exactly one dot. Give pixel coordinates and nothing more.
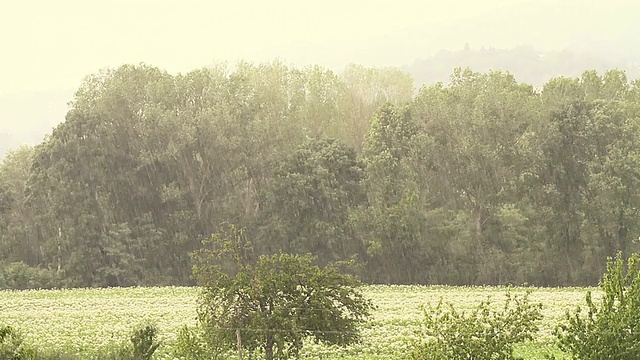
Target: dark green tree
(308, 204)
(392, 223)
(477, 152)
(17, 238)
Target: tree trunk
(481, 275)
(239, 343)
(268, 348)
(622, 235)
(478, 234)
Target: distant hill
(526, 63)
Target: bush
(20, 276)
(145, 342)
(142, 346)
(610, 330)
(191, 345)
(485, 333)
(12, 347)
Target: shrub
(144, 341)
(611, 329)
(141, 346)
(191, 345)
(485, 333)
(12, 347)
(20, 276)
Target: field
(84, 320)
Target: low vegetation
(142, 346)
(83, 322)
(483, 333)
(610, 329)
(283, 306)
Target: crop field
(81, 321)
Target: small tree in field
(272, 303)
(610, 329)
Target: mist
(51, 47)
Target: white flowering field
(84, 320)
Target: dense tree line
(526, 63)
(483, 180)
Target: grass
(83, 321)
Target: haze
(49, 46)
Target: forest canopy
(481, 180)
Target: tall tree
(367, 89)
(476, 154)
(308, 204)
(17, 240)
(392, 224)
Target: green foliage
(142, 344)
(308, 203)
(191, 345)
(20, 276)
(484, 333)
(609, 329)
(12, 346)
(144, 341)
(274, 302)
(392, 223)
(482, 180)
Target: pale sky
(48, 46)
(52, 44)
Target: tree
(367, 89)
(475, 156)
(273, 302)
(89, 185)
(589, 168)
(392, 224)
(17, 241)
(309, 201)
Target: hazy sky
(53, 44)
(49, 46)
